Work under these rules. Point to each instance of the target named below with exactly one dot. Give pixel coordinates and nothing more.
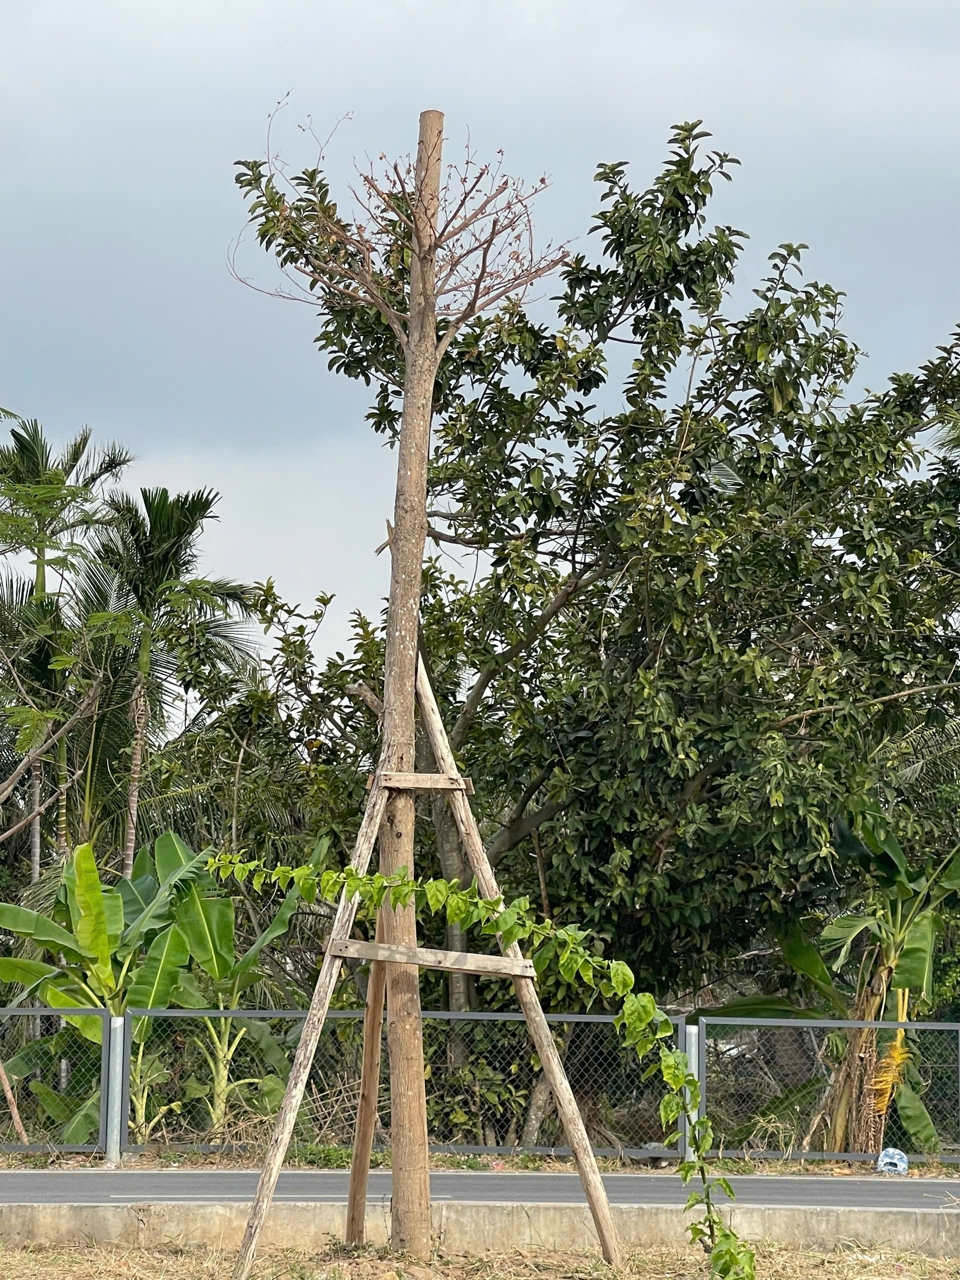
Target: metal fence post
(115, 1090)
(692, 1043)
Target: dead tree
(467, 237)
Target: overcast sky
(122, 120)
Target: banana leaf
(137, 894)
(97, 925)
(186, 993)
(915, 1118)
(158, 975)
(79, 1117)
(208, 925)
(914, 969)
(271, 1051)
(788, 1110)
(176, 873)
(89, 1026)
(40, 929)
(752, 1007)
(802, 956)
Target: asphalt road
(92, 1186)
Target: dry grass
(371, 1264)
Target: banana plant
(217, 975)
(886, 945)
(102, 947)
(139, 945)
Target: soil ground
(370, 1264)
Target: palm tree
(45, 501)
(151, 546)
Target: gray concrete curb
(473, 1227)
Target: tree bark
(410, 1229)
(452, 867)
(138, 712)
(539, 1105)
(36, 782)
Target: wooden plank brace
(432, 958)
(394, 781)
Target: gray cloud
(123, 119)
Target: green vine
(642, 1024)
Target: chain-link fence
(214, 1080)
(486, 1091)
(831, 1088)
(54, 1068)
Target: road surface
(195, 1186)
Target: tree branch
(41, 809)
(6, 788)
(510, 836)
(572, 584)
(366, 694)
(862, 706)
(691, 791)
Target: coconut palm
(46, 500)
(177, 623)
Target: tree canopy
(691, 599)
(711, 597)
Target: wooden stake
(526, 990)
(309, 1039)
(369, 1095)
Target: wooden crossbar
(423, 782)
(432, 958)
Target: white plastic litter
(892, 1160)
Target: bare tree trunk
(540, 1101)
(12, 1106)
(452, 867)
(138, 711)
(63, 781)
(36, 782)
(410, 1229)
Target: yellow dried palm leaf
(889, 1073)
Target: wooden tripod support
(340, 944)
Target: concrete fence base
(473, 1228)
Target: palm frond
(931, 757)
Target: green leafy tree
(704, 603)
(48, 499)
